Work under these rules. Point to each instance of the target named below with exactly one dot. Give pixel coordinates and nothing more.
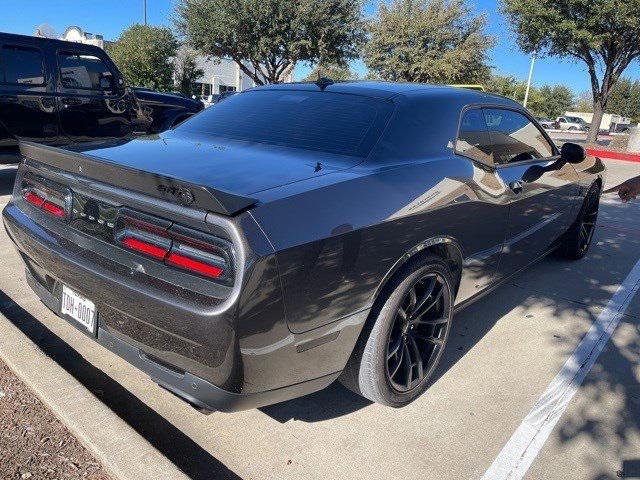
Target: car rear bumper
(216, 373)
(197, 391)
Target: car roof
(385, 90)
(40, 40)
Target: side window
(78, 70)
(514, 138)
(21, 65)
(473, 139)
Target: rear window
(21, 65)
(323, 121)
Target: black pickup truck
(59, 93)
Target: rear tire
(577, 240)
(405, 335)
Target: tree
(333, 72)
(625, 99)
(584, 103)
(144, 56)
(555, 100)
(266, 38)
(548, 101)
(507, 86)
(604, 34)
(429, 41)
(186, 72)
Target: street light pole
(526, 95)
(144, 3)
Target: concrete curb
(124, 453)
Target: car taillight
(192, 265)
(33, 198)
(147, 248)
(194, 259)
(49, 201)
(54, 209)
(179, 247)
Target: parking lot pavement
(504, 350)
(580, 138)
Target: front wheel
(405, 337)
(578, 239)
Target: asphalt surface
(503, 352)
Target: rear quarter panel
(335, 244)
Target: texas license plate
(79, 308)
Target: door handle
(516, 187)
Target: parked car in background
(547, 123)
(245, 258)
(160, 111)
(572, 124)
(59, 93)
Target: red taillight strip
(54, 209)
(145, 247)
(48, 206)
(33, 198)
(193, 265)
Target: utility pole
(526, 95)
(144, 3)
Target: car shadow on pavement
(186, 454)
(7, 177)
(565, 288)
(332, 402)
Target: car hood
(167, 99)
(239, 167)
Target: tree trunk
(598, 112)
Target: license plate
(79, 308)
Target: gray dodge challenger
(297, 234)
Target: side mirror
(107, 83)
(572, 153)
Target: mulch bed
(34, 444)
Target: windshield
(312, 120)
(575, 120)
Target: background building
(224, 75)
(219, 76)
(76, 34)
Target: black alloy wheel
(577, 240)
(417, 337)
(405, 335)
(588, 220)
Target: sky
(112, 17)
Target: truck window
(82, 71)
(21, 65)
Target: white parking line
(524, 445)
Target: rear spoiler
(147, 183)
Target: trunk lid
(216, 174)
